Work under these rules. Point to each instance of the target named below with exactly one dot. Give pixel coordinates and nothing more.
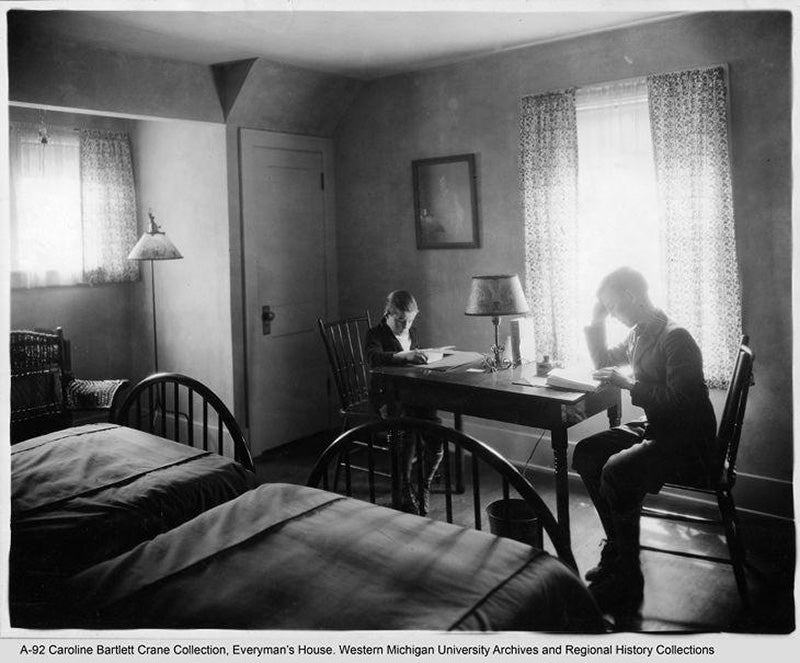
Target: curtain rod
(723, 65)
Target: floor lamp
(154, 245)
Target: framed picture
(446, 202)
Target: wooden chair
(344, 345)
(45, 395)
(492, 476)
(723, 476)
(183, 409)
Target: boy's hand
(412, 356)
(599, 313)
(613, 376)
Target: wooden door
(286, 249)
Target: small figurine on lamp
(496, 296)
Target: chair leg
(371, 467)
(340, 461)
(394, 441)
(733, 537)
(421, 470)
(458, 424)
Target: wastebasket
(515, 519)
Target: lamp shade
(496, 295)
(154, 245)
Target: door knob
(267, 316)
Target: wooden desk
(495, 396)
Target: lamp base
(495, 361)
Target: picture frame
(446, 202)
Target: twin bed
(115, 528)
(84, 495)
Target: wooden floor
(681, 595)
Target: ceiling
(360, 44)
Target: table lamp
(495, 296)
(154, 245)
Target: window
(632, 173)
(73, 216)
(46, 216)
(618, 220)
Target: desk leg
(459, 455)
(558, 438)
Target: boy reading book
(394, 341)
(674, 442)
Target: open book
(572, 380)
(451, 359)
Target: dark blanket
(292, 557)
(86, 494)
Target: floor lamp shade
(154, 245)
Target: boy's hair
(624, 278)
(400, 300)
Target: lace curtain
(73, 207)
(109, 207)
(548, 183)
(45, 206)
(685, 175)
(688, 113)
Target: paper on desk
(453, 359)
(442, 350)
(433, 356)
(528, 377)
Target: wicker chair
(45, 395)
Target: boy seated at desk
(394, 342)
(674, 440)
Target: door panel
(285, 264)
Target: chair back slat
(730, 426)
(176, 411)
(171, 410)
(205, 425)
(484, 460)
(151, 407)
(220, 436)
(190, 414)
(371, 466)
(344, 345)
(138, 409)
(348, 357)
(162, 391)
(448, 484)
(476, 492)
